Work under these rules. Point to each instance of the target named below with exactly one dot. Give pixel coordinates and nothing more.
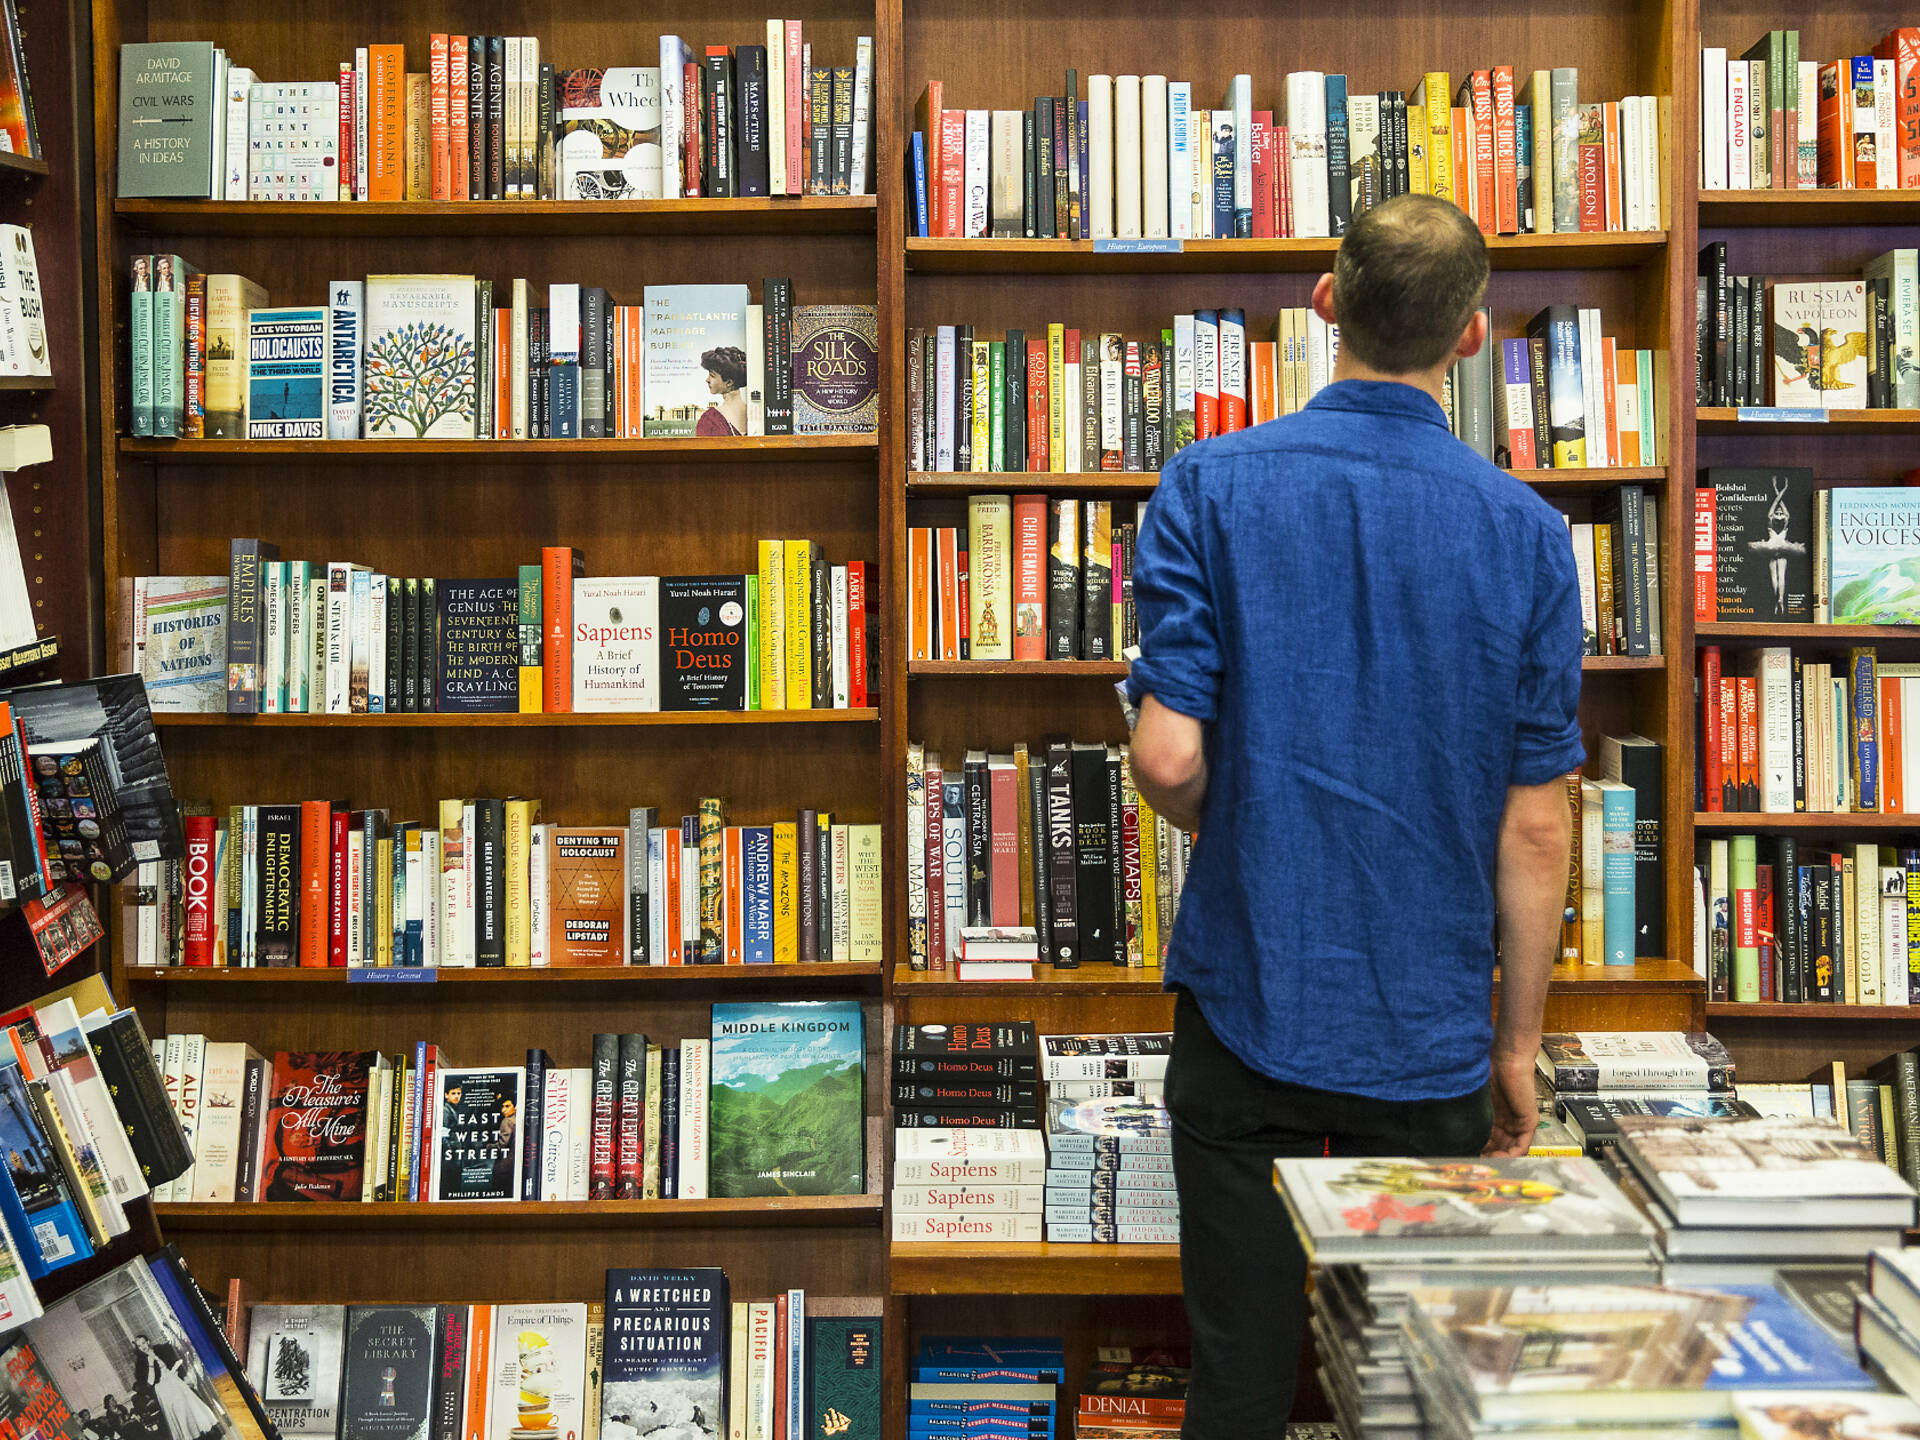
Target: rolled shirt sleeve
(1180, 662)
(1546, 740)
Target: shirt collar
(1378, 397)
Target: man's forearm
(1180, 804)
(1531, 885)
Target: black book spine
(449, 1372)
(823, 880)
(1037, 855)
(777, 324)
(960, 553)
(963, 398)
(750, 117)
(967, 1067)
(929, 394)
(1096, 580)
(670, 1122)
(1757, 340)
(960, 1118)
(808, 886)
(604, 1146)
(1339, 173)
(279, 857)
(720, 172)
(476, 180)
(1076, 225)
(820, 105)
(244, 623)
(1062, 854)
(1790, 938)
(1537, 384)
(822, 608)
(540, 356)
(544, 141)
(1129, 622)
(1882, 369)
(1702, 339)
(1133, 418)
(1116, 860)
(630, 1125)
(1153, 407)
(1043, 206)
(490, 883)
(1092, 876)
(1820, 970)
(396, 641)
(1799, 737)
(1722, 324)
(593, 340)
(429, 647)
(154, 1134)
(1029, 177)
(979, 838)
(496, 117)
(842, 130)
(1062, 162)
(1737, 346)
(253, 1114)
(410, 645)
(1063, 578)
(533, 1124)
(1013, 457)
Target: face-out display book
(664, 1360)
(788, 1110)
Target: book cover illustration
(124, 1359)
(616, 644)
(1595, 1061)
(1768, 1158)
(286, 372)
(1873, 542)
(1763, 534)
(293, 1363)
(843, 1389)
(836, 370)
(539, 1372)
(703, 642)
(664, 1362)
(695, 368)
(1111, 1117)
(38, 1182)
(1405, 1208)
(1800, 1414)
(610, 134)
(317, 1125)
(1819, 345)
(586, 895)
(387, 1390)
(788, 1111)
(420, 357)
(478, 1134)
(479, 634)
(182, 643)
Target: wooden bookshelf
(38, 384)
(1717, 420)
(1811, 1013)
(723, 719)
(333, 1215)
(1028, 669)
(1809, 634)
(1808, 208)
(1038, 1268)
(1762, 822)
(860, 979)
(1242, 257)
(1110, 482)
(20, 167)
(765, 449)
(788, 215)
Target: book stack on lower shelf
(999, 1387)
(1109, 1141)
(966, 1109)
(1131, 1393)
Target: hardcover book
(1763, 537)
(317, 1125)
(1794, 1414)
(478, 1153)
(1773, 1161)
(1594, 1062)
(836, 370)
(586, 895)
(843, 1377)
(664, 1361)
(1817, 341)
(539, 1372)
(616, 644)
(420, 366)
(388, 1389)
(477, 625)
(703, 642)
(48, 1229)
(293, 1363)
(166, 119)
(180, 641)
(694, 374)
(610, 133)
(287, 373)
(788, 1106)
(1873, 541)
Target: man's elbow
(1165, 765)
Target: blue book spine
(1022, 1409)
(1223, 175)
(1523, 165)
(563, 399)
(1616, 854)
(1866, 727)
(919, 153)
(417, 1081)
(1513, 446)
(756, 893)
(1086, 171)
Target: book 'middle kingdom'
(788, 1110)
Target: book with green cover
(843, 1378)
(1873, 546)
(166, 119)
(787, 1110)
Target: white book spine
(1590, 395)
(1183, 365)
(1307, 151)
(1776, 730)
(1895, 984)
(317, 641)
(862, 111)
(1127, 158)
(1073, 438)
(1906, 328)
(1886, 137)
(694, 1065)
(1630, 165)
(356, 859)
(299, 636)
(673, 114)
(557, 1101)
(944, 381)
(1240, 102)
(273, 614)
(1653, 211)
(377, 645)
(1713, 118)
(1179, 160)
(1739, 128)
(1233, 356)
(757, 367)
(426, 899)
(953, 845)
(1206, 358)
(1866, 909)
(193, 1069)
(346, 348)
(1100, 188)
(1583, 575)
(234, 157)
(978, 143)
(540, 952)
(579, 1136)
(838, 639)
(217, 176)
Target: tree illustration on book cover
(787, 1109)
(316, 1146)
(417, 375)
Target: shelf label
(1157, 246)
(1780, 413)
(398, 975)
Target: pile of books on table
(1593, 1078)
(1109, 1142)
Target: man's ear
(1323, 299)
(1473, 337)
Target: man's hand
(1516, 1113)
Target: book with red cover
(1747, 698)
(691, 138)
(1506, 157)
(1263, 167)
(953, 165)
(202, 887)
(439, 133)
(952, 606)
(1003, 848)
(1593, 169)
(1714, 778)
(349, 151)
(317, 1125)
(1706, 584)
(1038, 397)
(1283, 185)
(857, 634)
(733, 941)
(1029, 577)
(1486, 174)
(1902, 47)
(316, 882)
(339, 822)
(560, 566)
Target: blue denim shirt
(1380, 632)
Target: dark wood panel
(786, 215)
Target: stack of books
(705, 1117)
(997, 1387)
(1131, 1393)
(1109, 1141)
(1887, 1321)
(969, 1160)
(1729, 1198)
(1772, 121)
(1595, 1077)
(998, 952)
(1379, 1230)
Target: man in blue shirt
(1358, 676)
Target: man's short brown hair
(1409, 276)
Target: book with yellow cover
(1432, 95)
(786, 895)
(772, 651)
(521, 815)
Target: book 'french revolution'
(539, 1372)
(1594, 1062)
(1873, 539)
(1420, 1211)
(478, 624)
(477, 1133)
(1763, 536)
(787, 1112)
(293, 1363)
(420, 366)
(388, 1386)
(703, 642)
(664, 1361)
(616, 643)
(609, 145)
(688, 329)
(287, 373)
(586, 904)
(836, 370)
(317, 1125)
(166, 119)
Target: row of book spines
(1028, 578)
(1791, 735)
(1772, 121)
(1124, 162)
(1616, 561)
(317, 885)
(1062, 843)
(1605, 820)
(1818, 925)
(1613, 404)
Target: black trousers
(1241, 1265)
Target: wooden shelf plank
(21, 165)
(1297, 256)
(41, 383)
(1755, 820)
(804, 215)
(865, 716)
(1808, 207)
(861, 977)
(1096, 482)
(1816, 634)
(1029, 669)
(1721, 421)
(351, 454)
(1769, 1010)
(1623, 662)
(780, 1210)
(937, 1268)
(1643, 978)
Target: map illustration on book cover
(317, 1125)
(1873, 540)
(420, 358)
(479, 634)
(1404, 1209)
(1763, 536)
(610, 133)
(703, 642)
(664, 1366)
(788, 1111)
(478, 1134)
(388, 1386)
(836, 370)
(286, 373)
(293, 1363)
(695, 370)
(539, 1372)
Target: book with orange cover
(560, 566)
(586, 895)
(316, 862)
(1263, 401)
(926, 119)
(1834, 132)
(1610, 419)
(386, 122)
(671, 907)
(419, 170)
(479, 1372)
(950, 608)
(1506, 155)
(439, 135)
(1902, 47)
(920, 594)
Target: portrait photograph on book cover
(118, 1348)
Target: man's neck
(1433, 381)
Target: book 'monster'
(836, 370)
(388, 1388)
(787, 1110)
(317, 1125)
(664, 1365)
(586, 895)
